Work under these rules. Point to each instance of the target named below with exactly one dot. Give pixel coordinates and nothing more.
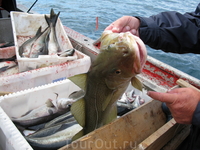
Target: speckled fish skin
(121, 58)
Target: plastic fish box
(24, 27)
(41, 76)
(142, 128)
(17, 104)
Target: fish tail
(78, 135)
(39, 31)
(52, 19)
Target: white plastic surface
(25, 26)
(17, 104)
(41, 76)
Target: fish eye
(125, 52)
(118, 71)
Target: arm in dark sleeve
(196, 116)
(172, 32)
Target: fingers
(163, 97)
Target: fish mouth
(141, 52)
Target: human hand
(125, 24)
(182, 102)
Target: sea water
(80, 15)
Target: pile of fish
(122, 57)
(51, 125)
(44, 42)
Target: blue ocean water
(80, 15)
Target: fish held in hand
(122, 56)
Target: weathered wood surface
(126, 132)
(162, 136)
(177, 139)
(183, 83)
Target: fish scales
(122, 57)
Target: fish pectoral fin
(78, 111)
(78, 135)
(106, 102)
(112, 115)
(79, 80)
(136, 83)
(49, 103)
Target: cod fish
(25, 48)
(52, 44)
(39, 115)
(44, 42)
(122, 56)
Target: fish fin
(39, 31)
(136, 83)
(106, 102)
(49, 103)
(112, 115)
(52, 19)
(78, 111)
(79, 80)
(78, 135)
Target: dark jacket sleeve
(196, 116)
(172, 32)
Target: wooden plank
(126, 132)
(178, 139)
(183, 83)
(162, 136)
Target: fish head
(125, 56)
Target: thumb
(163, 97)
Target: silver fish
(47, 131)
(53, 46)
(39, 44)
(39, 115)
(25, 48)
(56, 140)
(65, 117)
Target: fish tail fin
(78, 135)
(52, 19)
(39, 31)
(136, 83)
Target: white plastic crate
(45, 75)
(25, 26)
(41, 76)
(17, 104)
